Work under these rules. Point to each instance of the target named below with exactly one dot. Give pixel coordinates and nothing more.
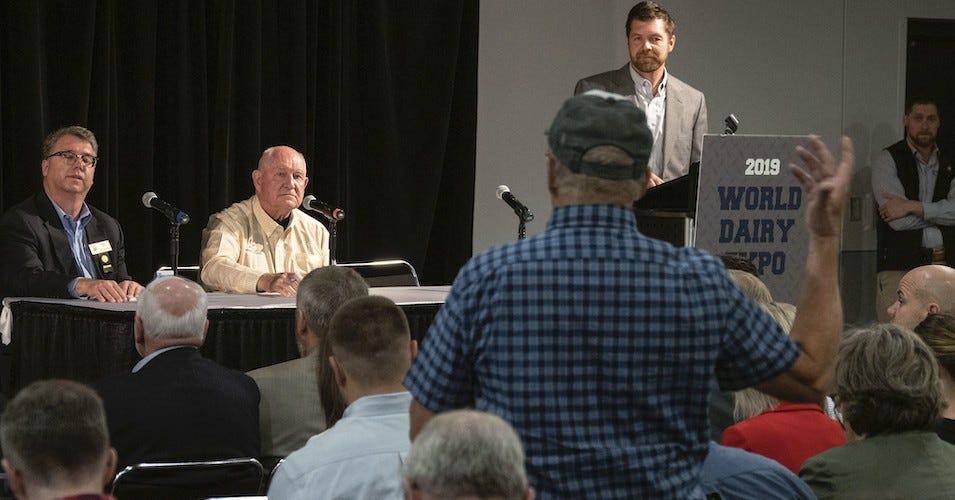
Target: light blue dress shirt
(886, 180)
(76, 233)
(360, 457)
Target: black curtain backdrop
(183, 96)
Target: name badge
(100, 247)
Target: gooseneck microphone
(504, 193)
(175, 216)
(332, 214)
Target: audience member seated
(922, 291)
(734, 474)
(56, 444)
(886, 387)
(720, 407)
(361, 456)
(290, 410)
(938, 331)
(176, 405)
(466, 454)
(788, 433)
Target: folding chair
(394, 272)
(189, 480)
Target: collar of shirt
(147, 359)
(69, 223)
(931, 161)
(592, 216)
(268, 224)
(379, 404)
(642, 86)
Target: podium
(750, 204)
(666, 212)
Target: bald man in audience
(359, 457)
(176, 405)
(291, 410)
(922, 291)
(56, 444)
(466, 454)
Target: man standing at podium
(676, 112)
(912, 185)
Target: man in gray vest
(912, 185)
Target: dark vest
(902, 250)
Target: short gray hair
(588, 184)
(886, 381)
(159, 322)
(467, 453)
(55, 431)
(324, 290)
(76, 131)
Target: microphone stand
(523, 217)
(174, 247)
(332, 237)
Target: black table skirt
(80, 343)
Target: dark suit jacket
(35, 255)
(685, 121)
(181, 406)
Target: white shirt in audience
(360, 457)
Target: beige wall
(828, 67)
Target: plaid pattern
(598, 345)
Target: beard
(923, 139)
(648, 62)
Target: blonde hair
(749, 402)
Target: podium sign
(750, 204)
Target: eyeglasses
(85, 159)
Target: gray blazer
(290, 411)
(685, 121)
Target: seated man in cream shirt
(265, 244)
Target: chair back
(189, 480)
(394, 272)
(189, 272)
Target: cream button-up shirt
(242, 242)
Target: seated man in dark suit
(56, 444)
(55, 245)
(177, 405)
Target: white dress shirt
(654, 105)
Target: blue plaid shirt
(598, 345)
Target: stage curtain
(380, 97)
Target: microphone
(504, 193)
(732, 123)
(332, 214)
(175, 216)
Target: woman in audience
(788, 433)
(938, 331)
(886, 387)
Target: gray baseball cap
(598, 118)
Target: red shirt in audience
(788, 433)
